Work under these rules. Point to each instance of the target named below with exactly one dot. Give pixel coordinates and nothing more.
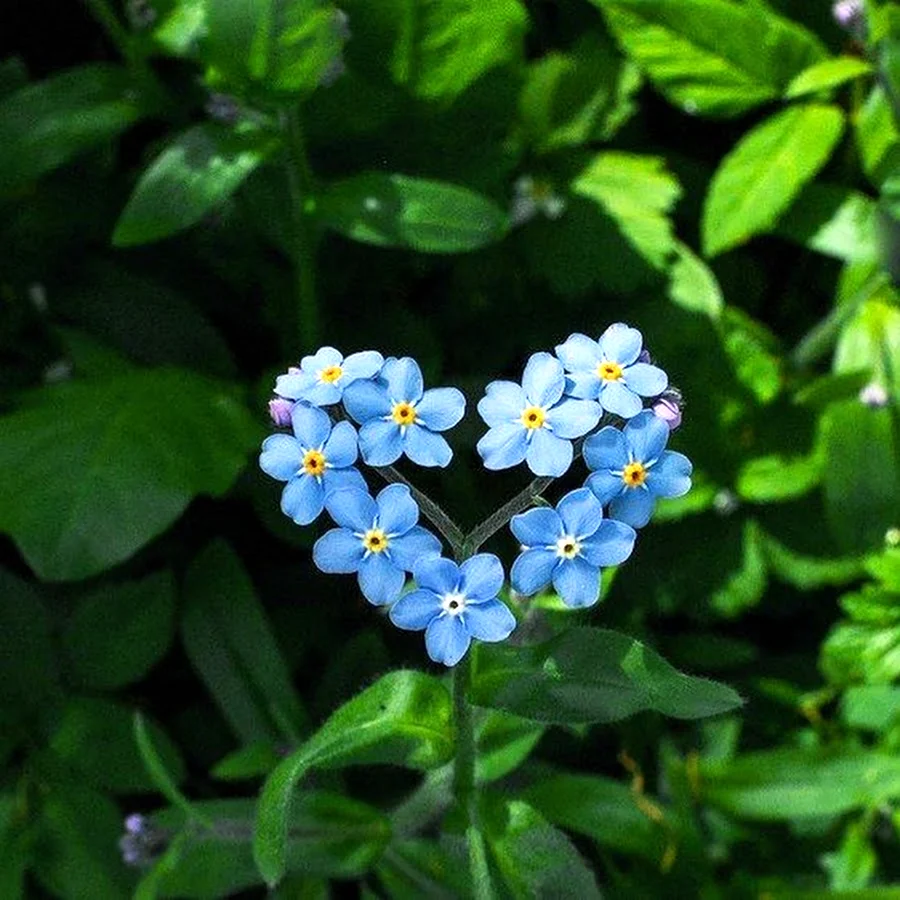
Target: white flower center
(567, 547)
(453, 604)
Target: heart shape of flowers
(562, 399)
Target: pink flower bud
(280, 411)
(668, 408)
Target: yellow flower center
(375, 540)
(453, 604)
(567, 547)
(609, 371)
(314, 462)
(634, 474)
(403, 413)
(331, 374)
(533, 417)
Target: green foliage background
(196, 193)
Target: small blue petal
(539, 527)
(380, 443)
(616, 397)
(646, 380)
(447, 640)
(573, 418)
(491, 621)
(610, 545)
(441, 408)
(403, 378)
(340, 448)
(408, 549)
(365, 400)
(547, 454)
(620, 344)
(302, 499)
(352, 509)
(294, 386)
(581, 513)
(533, 570)
(481, 577)
(607, 449)
(502, 403)
(646, 435)
(543, 380)
(322, 359)
(503, 446)
(323, 394)
(577, 582)
(437, 574)
(415, 610)
(343, 479)
(425, 448)
(338, 552)
(605, 486)
(579, 352)
(380, 580)
(366, 364)
(633, 507)
(281, 457)
(397, 511)
(311, 426)
(583, 385)
(671, 476)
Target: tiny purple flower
(668, 408)
(280, 411)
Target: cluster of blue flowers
(562, 399)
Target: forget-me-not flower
(534, 422)
(455, 604)
(323, 377)
(399, 416)
(378, 539)
(610, 370)
(314, 461)
(631, 468)
(568, 546)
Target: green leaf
(854, 863)
(862, 651)
(745, 586)
(825, 75)
(810, 573)
(772, 479)
(253, 761)
(403, 719)
(870, 341)
(178, 32)
(871, 707)
(503, 743)
(693, 286)
(399, 211)
(118, 632)
(751, 347)
(637, 192)
(877, 137)
(137, 449)
(229, 641)
(17, 839)
(765, 171)
(47, 124)
(712, 57)
(415, 868)
(591, 675)
(193, 176)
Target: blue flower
(318, 459)
(533, 422)
(568, 546)
(631, 468)
(609, 370)
(379, 539)
(398, 416)
(455, 604)
(322, 378)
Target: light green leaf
(712, 57)
(869, 341)
(871, 707)
(591, 675)
(771, 479)
(829, 73)
(693, 286)
(504, 742)
(810, 573)
(399, 211)
(751, 347)
(745, 586)
(160, 769)
(765, 171)
(403, 719)
(854, 863)
(194, 175)
(135, 450)
(877, 137)
(638, 193)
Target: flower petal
(646, 380)
(437, 574)
(311, 426)
(425, 448)
(295, 386)
(646, 435)
(380, 443)
(380, 580)
(415, 610)
(343, 479)
(620, 344)
(583, 385)
(547, 454)
(415, 545)
(533, 570)
(577, 582)
(503, 446)
(616, 397)
(605, 486)
(491, 621)
(340, 449)
(365, 400)
(543, 381)
(281, 457)
(321, 359)
(610, 545)
(403, 378)
(441, 408)
(573, 418)
(338, 551)
(446, 640)
(579, 352)
(671, 476)
(397, 511)
(323, 394)
(607, 449)
(581, 513)
(303, 499)
(633, 507)
(539, 527)
(502, 403)
(365, 364)
(481, 577)
(351, 508)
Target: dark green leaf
(745, 586)
(253, 761)
(504, 742)
(16, 847)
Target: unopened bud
(668, 407)
(280, 411)
(874, 395)
(850, 15)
